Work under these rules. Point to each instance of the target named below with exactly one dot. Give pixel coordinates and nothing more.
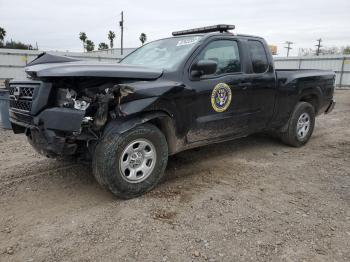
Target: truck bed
(292, 74)
(290, 84)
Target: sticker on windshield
(221, 97)
(188, 41)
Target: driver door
(219, 107)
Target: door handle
(244, 85)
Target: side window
(258, 56)
(225, 53)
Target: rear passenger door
(261, 94)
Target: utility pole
(318, 46)
(121, 24)
(288, 43)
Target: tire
(304, 113)
(132, 163)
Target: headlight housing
(68, 98)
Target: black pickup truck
(201, 86)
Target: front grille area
(23, 91)
(21, 96)
(21, 105)
(20, 118)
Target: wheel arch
(312, 96)
(161, 119)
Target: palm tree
(111, 36)
(2, 34)
(143, 38)
(90, 46)
(102, 46)
(83, 38)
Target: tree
(102, 46)
(346, 50)
(333, 50)
(83, 38)
(17, 45)
(306, 52)
(111, 36)
(2, 35)
(90, 46)
(143, 38)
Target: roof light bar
(208, 29)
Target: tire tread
(104, 162)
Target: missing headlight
(68, 98)
(81, 104)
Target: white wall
(115, 51)
(13, 61)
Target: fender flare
(311, 91)
(304, 92)
(120, 126)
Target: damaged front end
(65, 106)
(66, 116)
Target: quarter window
(225, 53)
(258, 56)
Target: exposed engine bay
(75, 114)
(99, 102)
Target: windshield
(162, 54)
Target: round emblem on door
(221, 97)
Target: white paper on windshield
(188, 41)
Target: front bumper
(52, 131)
(56, 118)
(50, 143)
(330, 106)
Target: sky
(55, 25)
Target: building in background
(273, 49)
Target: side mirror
(204, 67)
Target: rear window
(258, 56)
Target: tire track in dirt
(20, 179)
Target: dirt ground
(253, 199)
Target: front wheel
(132, 163)
(300, 126)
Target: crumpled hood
(48, 65)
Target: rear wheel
(132, 163)
(300, 126)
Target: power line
(288, 43)
(121, 24)
(318, 46)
